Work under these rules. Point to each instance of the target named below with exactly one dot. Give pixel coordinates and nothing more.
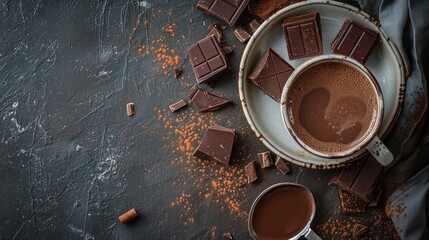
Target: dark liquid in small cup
(332, 107)
(282, 213)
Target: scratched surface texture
(71, 160)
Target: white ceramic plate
(263, 113)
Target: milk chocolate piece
(206, 101)
(265, 159)
(207, 59)
(355, 41)
(177, 72)
(250, 171)
(350, 203)
(130, 109)
(177, 105)
(216, 144)
(359, 230)
(226, 10)
(254, 25)
(303, 36)
(128, 216)
(271, 74)
(281, 165)
(360, 178)
(227, 236)
(241, 34)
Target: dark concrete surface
(71, 160)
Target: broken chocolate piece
(350, 203)
(130, 109)
(206, 101)
(216, 144)
(227, 236)
(177, 105)
(241, 34)
(250, 171)
(355, 41)
(359, 178)
(265, 159)
(303, 36)
(227, 50)
(216, 30)
(226, 10)
(254, 25)
(271, 74)
(359, 230)
(207, 59)
(129, 216)
(177, 72)
(281, 165)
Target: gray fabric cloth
(407, 24)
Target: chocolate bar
(271, 74)
(206, 101)
(303, 36)
(254, 25)
(359, 178)
(355, 41)
(177, 105)
(216, 144)
(241, 34)
(281, 165)
(250, 171)
(207, 59)
(350, 203)
(265, 159)
(226, 10)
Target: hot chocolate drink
(332, 107)
(282, 213)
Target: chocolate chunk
(216, 144)
(281, 165)
(227, 236)
(254, 25)
(360, 178)
(177, 105)
(241, 34)
(130, 109)
(129, 216)
(215, 29)
(350, 203)
(303, 36)
(355, 41)
(206, 101)
(177, 72)
(265, 159)
(207, 59)
(226, 10)
(271, 74)
(359, 230)
(250, 171)
(227, 50)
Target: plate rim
(397, 55)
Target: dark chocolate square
(216, 144)
(226, 10)
(303, 36)
(355, 41)
(207, 59)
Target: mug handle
(379, 151)
(311, 235)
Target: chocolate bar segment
(206, 101)
(303, 36)
(226, 10)
(355, 41)
(177, 105)
(207, 59)
(271, 74)
(250, 171)
(350, 203)
(241, 34)
(216, 144)
(254, 25)
(265, 159)
(359, 230)
(281, 165)
(360, 178)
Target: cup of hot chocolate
(333, 107)
(282, 211)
